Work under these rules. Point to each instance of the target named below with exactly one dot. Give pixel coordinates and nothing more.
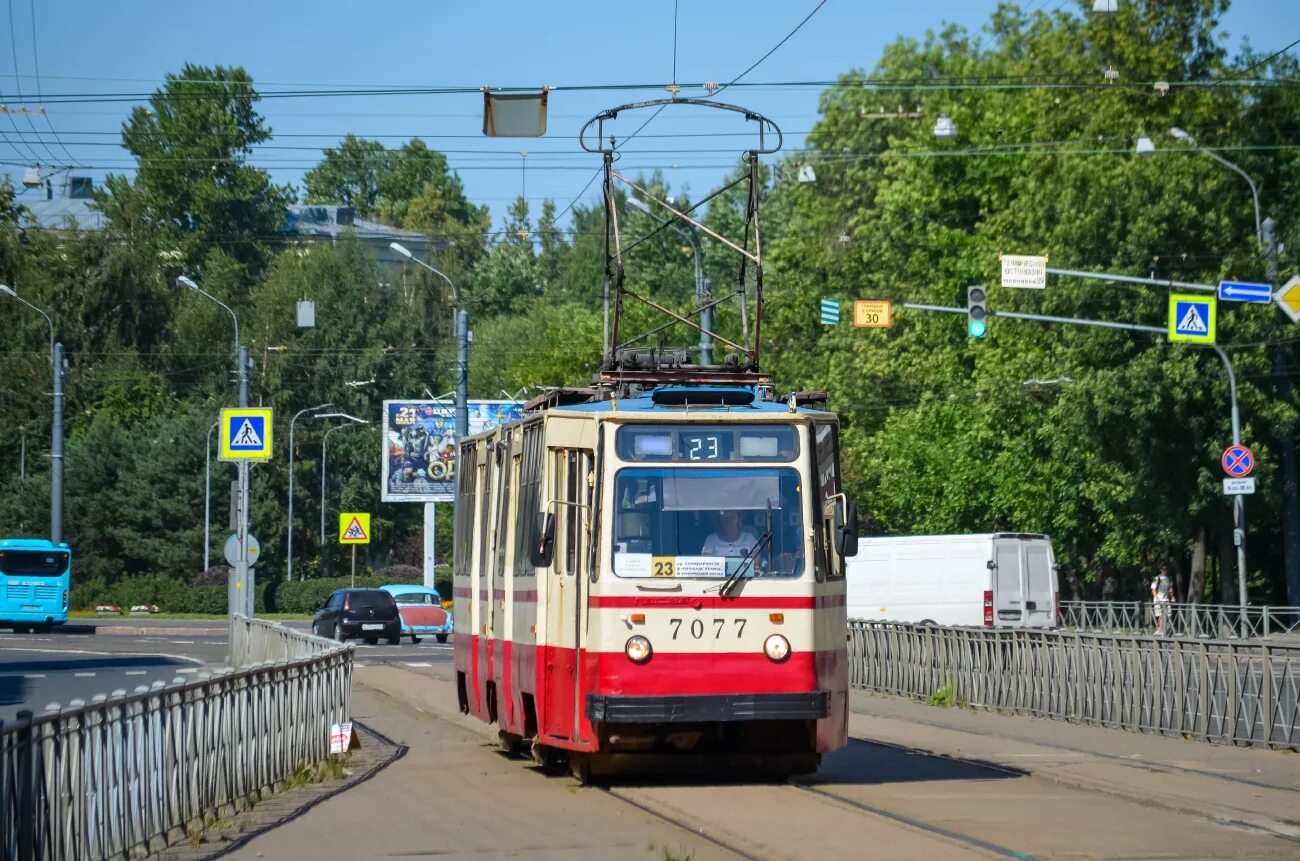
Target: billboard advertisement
(420, 445)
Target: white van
(1002, 580)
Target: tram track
(824, 797)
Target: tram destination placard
(419, 457)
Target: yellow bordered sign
(1192, 319)
(872, 313)
(354, 527)
(246, 433)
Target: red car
(421, 610)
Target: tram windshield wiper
(747, 563)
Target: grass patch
(668, 853)
(943, 698)
(333, 768)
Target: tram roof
(707, 403)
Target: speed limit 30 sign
(872, 314)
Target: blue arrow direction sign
(1245, 291)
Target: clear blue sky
(127, 46)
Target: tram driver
(730, 539)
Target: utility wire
(13, 50)
(774, 49)
(36, 66)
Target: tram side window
(826, 449)
(466, 474)
(485, 513)
(575, 505)
(530, 502)
(505, 466)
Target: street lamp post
(461, 323)
(462, 342)
(1254, 192)
(56, 429)
(352, 421)
(241, 352)
(288, 555)
(701, 286)
(207, 500)
(241, 589)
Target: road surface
(81, 660)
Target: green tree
(193, 185)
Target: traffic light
(976, 312)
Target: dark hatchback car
(366, 614)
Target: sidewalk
(1257, 788)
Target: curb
(156, 631)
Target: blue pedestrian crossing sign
(1192, 319)
(246, 434)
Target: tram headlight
(638, 649)
(777, 647)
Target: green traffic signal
(976, 312)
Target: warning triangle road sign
(1193, 323)
(354, 532)
(246, 436)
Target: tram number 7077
(697, 628)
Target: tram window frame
(467, 477)
(530, 498)
(485, 511)
(832, 566)
(506, 463)
(572, 552)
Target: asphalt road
(81, 660)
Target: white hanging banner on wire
(1022, 270)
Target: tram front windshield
(705, 523)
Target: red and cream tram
(656, 579)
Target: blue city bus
(35, 575)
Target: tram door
(566, 592)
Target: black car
(366, 614)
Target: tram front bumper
(707, 708)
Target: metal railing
(129, 773)
(1241, 692)
(1186, 620)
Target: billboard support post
(430, 542)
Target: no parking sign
(1238, 461)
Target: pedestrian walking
(1162, 599)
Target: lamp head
(400, 249)
(638, 203)
(186, 281)
(1180, 134)
(8, 291)
(1145, 146)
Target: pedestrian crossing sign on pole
(831, 312)
(246, 434)
(354, 527)
(1192, 319)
